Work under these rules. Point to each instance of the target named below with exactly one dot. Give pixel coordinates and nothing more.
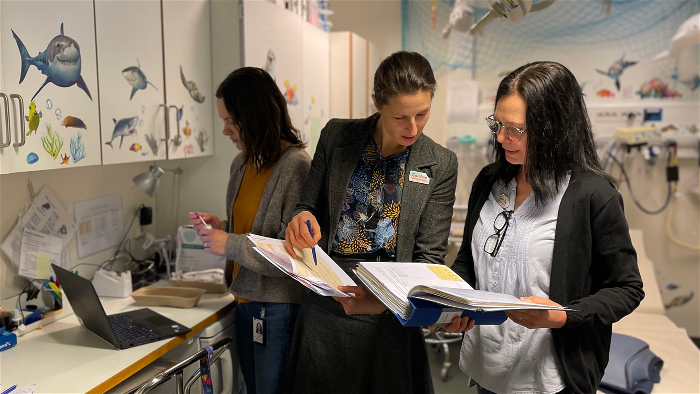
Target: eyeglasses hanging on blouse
(500, 226)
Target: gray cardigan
(258, 279)
(426, 210)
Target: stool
(441, 340)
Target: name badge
(419, 177)
(259, 330)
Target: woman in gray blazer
(378, 190)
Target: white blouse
(510, 358)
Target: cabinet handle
(23, 126)
(178, 138)
(167, 125)
(7, 122)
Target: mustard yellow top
(246, 204)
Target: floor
(457, 381)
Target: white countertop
(64, 357)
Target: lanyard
(205, 368)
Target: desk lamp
(149, 182)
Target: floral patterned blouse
(370, 214)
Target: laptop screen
(86, 304)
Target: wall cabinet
(4, 120)
(130, 64)
(188, 79)
(49, 71)
(151, 101)
(316, 94)
(295, 54)
(354, 61)
(374, 58)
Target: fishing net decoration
(644, 27)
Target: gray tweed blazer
(258, 279)
(426, 210)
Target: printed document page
(476, 299)
(323, 278)
(394, 283)
(400, 278)
(391, 283)
(39, 251)
(46, 215)
(101, 223)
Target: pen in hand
(14, 386)
(313, 251)
(202, 220)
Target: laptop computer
(121, 330)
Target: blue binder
(426, 313)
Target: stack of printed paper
(426, 294)
(322, 277)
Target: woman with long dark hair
(546, 224)
(264, 186)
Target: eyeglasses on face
(500, 226)
(512, 133)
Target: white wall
(673, 264)
(378, 21)
(69, 185)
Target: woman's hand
(531, 318)
(214, 241)
(364, 302)
(297, 232)
(458, 324)
(210, 219)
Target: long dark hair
(559, 136)
(403, 73)
(259, 110)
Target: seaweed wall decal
(52, 142)
(77, 148)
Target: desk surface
(64, 357)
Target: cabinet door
(350, 81)
(374, 59)
(316, 47)
(48, 55)
(340, 81)
(130, 64)
(273, 43)
(4, 127)
(359, 76)
(188, 84)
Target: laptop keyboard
(127, 331)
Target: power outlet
(620, 116)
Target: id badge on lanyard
(259, 328)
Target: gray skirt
(332, 352)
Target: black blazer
(426, 210)
(594, 271)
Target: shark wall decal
(60, 62)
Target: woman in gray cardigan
(264, 187)
(380, 190)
